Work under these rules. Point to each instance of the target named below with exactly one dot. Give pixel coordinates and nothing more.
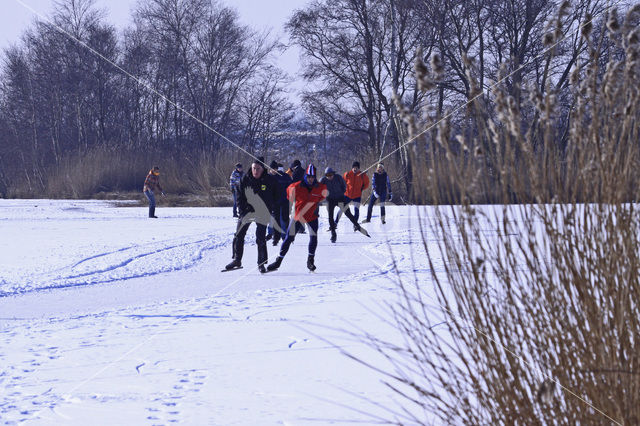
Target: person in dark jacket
(381, 190)
(152, 186)
(280, 220)
(283, 207)
(336, 186)
(273, 171)
(256, 198)
(234, 184)
(297, 172)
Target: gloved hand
(390, 196)
(375, 194)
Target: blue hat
(329, 170)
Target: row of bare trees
(184, 65)
(358, 53)
(59, 97)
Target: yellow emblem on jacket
(264, 187)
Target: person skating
(280, 220)
(381, 187)
(256, 198)
(152, 186)
(234, 184)
(273, 171)
(282, 207)
(336, 187)
(297, 172)
(306, 195)
(356, 182)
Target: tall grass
(107, 172)
(533, 314)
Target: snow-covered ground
(108, 317)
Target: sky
(15, 18)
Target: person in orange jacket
(357, 182)
(306, 195)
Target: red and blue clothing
(306, 198)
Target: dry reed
(533, 314)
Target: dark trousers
(280, 221)
(344, 208)
(152, 202)
(291, 236)
(235, 203)
(372, 201)
(356, 207)
(241, 232)
(332, 203)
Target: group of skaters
(264, 196)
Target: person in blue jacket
(234, 184)
(381, 191)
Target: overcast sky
(259, 14)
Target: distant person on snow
(281, 208)
(152, 186)
(306, 195)
(234, 184)
(256, 197)
(381, 187)
(357, 182)
(336, 186)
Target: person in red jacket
(357, 182)
(305, 195)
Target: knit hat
(273, 165)
(295, 164)
(355, 164)
(311, 170)
(329, 170)
(238, 165)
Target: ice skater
(256, 198)
(357, 182)
(381, 187)
(306, 195)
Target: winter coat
(257, 195)
(381, 185)
(356, 183)
(298, 174)
(235, 178)
(335, 186)
(306, 199)
(283, 181)
(152, 182)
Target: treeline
(195, 66)
(359, 53)
(61, 101)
